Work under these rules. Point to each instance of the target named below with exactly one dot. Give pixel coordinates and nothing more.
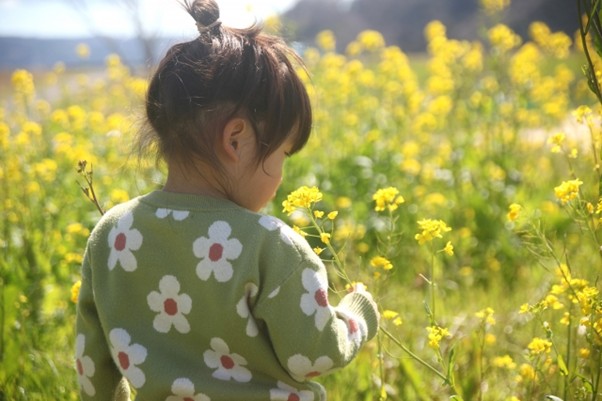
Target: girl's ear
(236, 133)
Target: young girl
(189, 293)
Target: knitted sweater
(196, 298)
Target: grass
(512, 314)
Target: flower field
(462, 187)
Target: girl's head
(224, 74)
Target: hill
(402, 22)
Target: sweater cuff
(360, 305)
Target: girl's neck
(186, 181)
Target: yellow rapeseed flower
(486, 315)
(22, 81)
(77, 229)
(371, 40)
(568, 190)
(301, 198)
(435, 30)
(582, 114)
(73, 258)
(325, 238)
(326, 40)
(82, 50)
(46, 169)
(431, 229)
(514, 211)
(381, 262)
(527, 372)
(299, 231)
(387, 198)
(503, 38)
(392, 316)
(539, 346)
(343, 202)
(504, 361)
(75, 291)
(435, 335)
(584, 353)
(494, 6)
(448, 249)
(557, 44)
(556, 141)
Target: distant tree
(402, 22)
(308, 17)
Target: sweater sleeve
(310, 336)
(97, 374)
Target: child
(189, 292)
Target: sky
(61, 19)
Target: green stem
(381, 364)
(413, 355)
(583, 33)
(337, 261)
(432, 285)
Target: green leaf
(562, 366)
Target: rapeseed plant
(453, 131)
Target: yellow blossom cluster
(387, 199)
(486, 315)
(514, 211)
(494, 6)
(435, 335)
(556, 43)
(503, 39)
(380, 262)
(539, 346)
(302, 198)
(431, 229)
(568, 190)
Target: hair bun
(204, 12)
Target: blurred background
(36, 34)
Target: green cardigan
(196, 298)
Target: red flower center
(170, 306)
(352, 324)
(124, 360)
(312, 374)
(227, 362)
(120, 242)
(215, 252)
(293, 397)
(321, 298)
(80, 367)
(188, 399)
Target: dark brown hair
(225, 72)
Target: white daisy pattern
(171, 305)
(284, 392)
(315, 301)
(302, 368)
(127, 356)
(271, 223)
(183, 390)
(228, 366)
(178, 215)
(242, 309)
(84, 365)
(215, 252)
(356, 328)
(123, 239)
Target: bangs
(286, 110)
